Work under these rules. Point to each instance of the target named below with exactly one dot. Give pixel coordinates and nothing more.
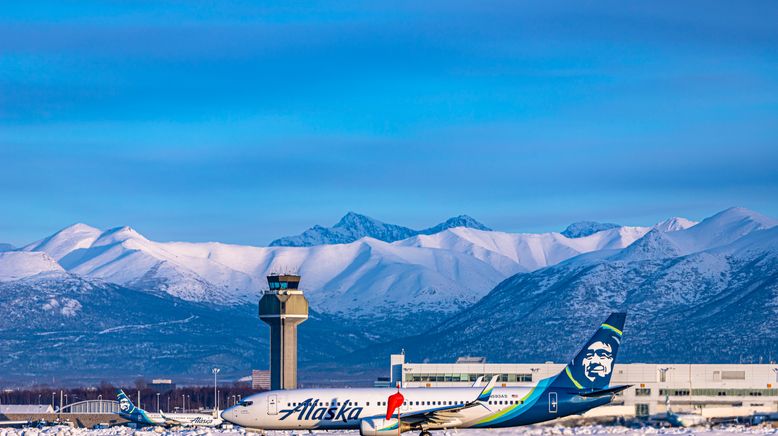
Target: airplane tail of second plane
(129, 411)
(592, 367)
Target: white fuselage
(331, 409)
(189, 419)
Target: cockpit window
(245, 403)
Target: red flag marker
(394, 403)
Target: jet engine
(381, 427)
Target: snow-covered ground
(526, 431)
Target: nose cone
(231, 415)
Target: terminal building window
(733, 375)
(466, 377)
(735, 392)
(674, 392)
(641, 410)
(642, 392)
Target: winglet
(477, 382)
(487, 392)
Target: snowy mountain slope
(77, 329)
(695, 303)
(356, 277)
(65, 241)
(441, 272)
(529, 251)
(718, 230)
(457, 221)
(15, 265)
(586, 228)
(721, 229)
(674, 224)
(123, 256)
(362, 276)
(6, 247)
(690, 308)
(354, 226)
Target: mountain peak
(15, 265)
(674, 224)
(66, 240)
(356, 219)
(457, 221)
(353, 226)
(581, 229)
(78, 228)
(118, 234)
(719, 230)
(741, 213)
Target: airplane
(583, 384)
(130, 412)
(682, 419)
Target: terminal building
(713, 390)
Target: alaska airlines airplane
(130, 412)
(583, 384)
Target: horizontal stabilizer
(604, 392)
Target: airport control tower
(283, 307)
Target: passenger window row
(412, 403)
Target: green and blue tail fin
(592, 367)
(129, 411)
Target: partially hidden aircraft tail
(128, 410)
(592, 367)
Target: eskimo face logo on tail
(124, 405)
(597, 361)
(593, 365)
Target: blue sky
(244, 121)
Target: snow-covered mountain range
(708, 293)
(440, 272)
(354, 226)
(689, 287)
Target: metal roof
(25, 408)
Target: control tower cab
(283, 306)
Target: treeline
(189, 398)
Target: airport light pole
(215, 371)
(157, 402)
(183, 403)
(52, 399)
